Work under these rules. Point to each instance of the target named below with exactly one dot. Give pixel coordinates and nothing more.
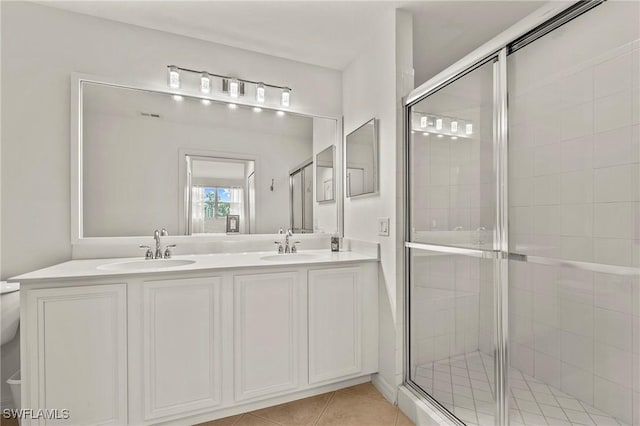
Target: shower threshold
(464, 385)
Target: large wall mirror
(149, 159)
(362, 160)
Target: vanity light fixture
(177, 97)
(233, 106)
(257, 109)
(454, 138)
(206, 102)
(286, 97)
(440, 136)
(426, 134)
(234, 86)
(454, 126)
(174, 77)
(280, 113)
(423, 121)
(439, 123)
(205, 83)
(469, 129)
(260, 92)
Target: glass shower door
(451, 247)
(574, 212)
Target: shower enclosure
(522, 240)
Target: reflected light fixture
(440, 136)
(423, 121)
(280, 113)
(439, 123)
(469, 129)
(286, 97)
(177, 97)
(205, 83)
(233, 106)
(454, 138)
(174, 77)
(260, 91)
(257, 109)
(206, 102)
(426, 134)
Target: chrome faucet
(288, 247)
(158, 252)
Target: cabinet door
(181, 329)
(335, 341)
(79, 361)
(266, 333)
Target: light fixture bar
(177, 68)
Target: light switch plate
(383, 226)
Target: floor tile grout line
(264, 418)
(333, 394)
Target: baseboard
(421, 412)
(387, 390)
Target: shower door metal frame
(540, 23)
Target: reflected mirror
(150, 160)
(362, 160)
(325, 183)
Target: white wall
(41, 46)
(373, 87)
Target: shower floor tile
(464, 385)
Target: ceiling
(324, 33)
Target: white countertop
(96, 268)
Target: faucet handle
(167, 251)
(294, 249)
(164, 232)
(149, 254)
(280, 248)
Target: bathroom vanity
(195, 338)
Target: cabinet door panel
(335, 341)
(181, 327)
(266, 333)
(79, 362)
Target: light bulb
(439, 124)
(257, 109)
(454, 126)
(205, 83)
(440, 136)
(233, 106)
(280, 113)
(234, 88)
(469, 129)
(423, 121)
(260, 93)
(174, 77)
(454, 138)
(206, 102)
(286, 97)
(177, 97)
(425, 134)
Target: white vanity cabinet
(181, 345)
(74, 352)
(186, 347)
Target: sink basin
(302, 257)
(146, 265)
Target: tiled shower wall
(574, 150)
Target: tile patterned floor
(360, 405)
(464, 385)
